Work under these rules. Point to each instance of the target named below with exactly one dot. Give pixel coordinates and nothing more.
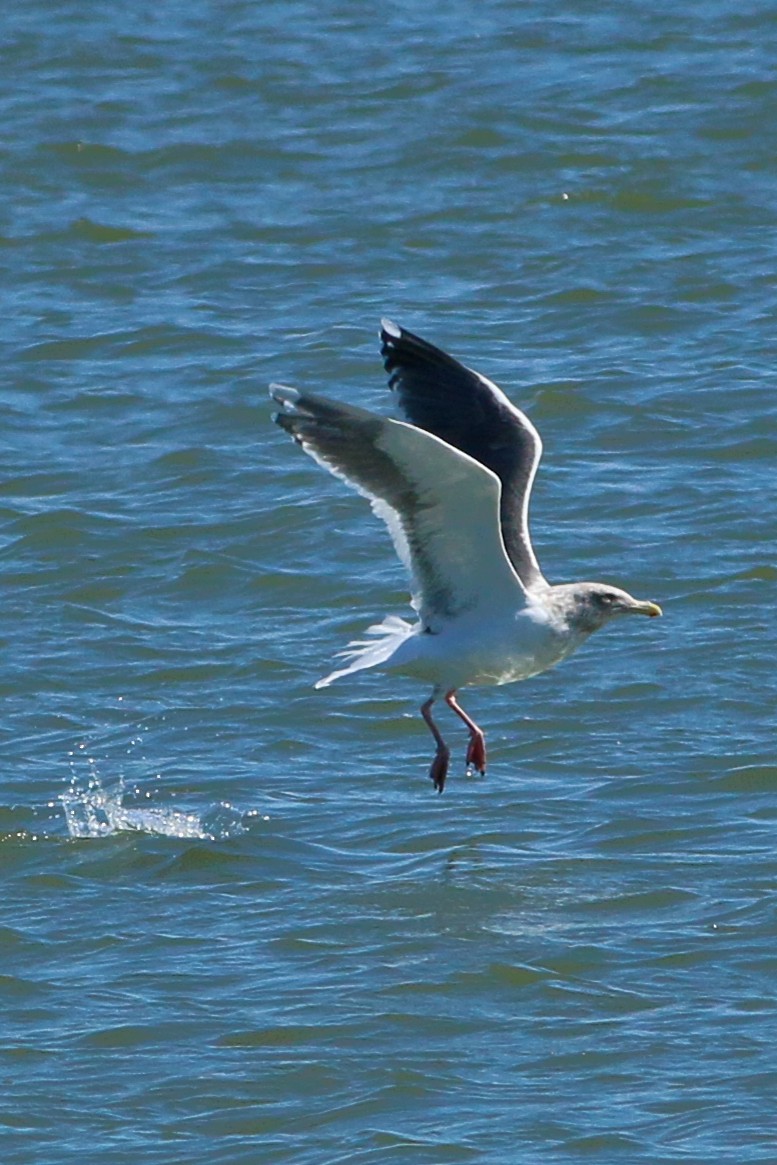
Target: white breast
(480, 648)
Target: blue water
(237, 925)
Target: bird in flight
(452, 483)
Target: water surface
(237, 925)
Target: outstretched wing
(466, 410)
(441, 506)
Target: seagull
(452, 483)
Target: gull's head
(591, 605)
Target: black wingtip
(391, 337)
(402, 349)
(389, 330)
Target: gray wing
(466, 410)
(441, 506)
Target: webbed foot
(439, 770)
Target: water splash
(94, 808)
(95, 811)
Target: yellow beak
(651, 609)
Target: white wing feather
(441, 506)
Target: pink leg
(439, 770)
(476, 749)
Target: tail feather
(362, 653)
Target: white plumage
(452, 484)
